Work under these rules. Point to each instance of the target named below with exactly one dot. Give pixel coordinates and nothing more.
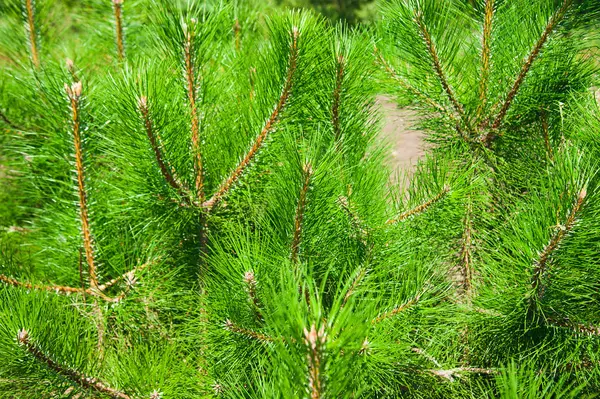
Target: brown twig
(546, 134)
(195, 122)
(437, 65)
(421, 208)
(74, 94)
(315, 341)
(251, 286)
(355, 283)
(236, 34)
(451, 373)
(9, 122)
(578, 328)
(268, 128)
(466, 252)
(52, 288)
(229, 326)
(30, 10)
(118, 9)
(542, 263)
(533, 55)
(73, 375)
(354, 219)
(299, 217)
(485, 56)
(412, 301)
(165, 168)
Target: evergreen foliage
(196, 203)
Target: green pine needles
(196, 202)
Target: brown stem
(421, 208)
(299, 217)
(251, 285)
(437, 65)
(354, 219)
(533, 55)
(399, 309)
(466, 253)
(118, 8)
(542, 263)
(52, 288)
(73, 375)
(485, 55)
(315, 340)
(74, 94)
(355, 283)
(156, 144)
(229, 326)
(337, 91)
(30, 9)
(268, 128)
(578, 328)
(451, 373)
(195, 122)
(546, 134)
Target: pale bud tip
(583, 193)
(117, 2)
(23, 336)
(143, 102)
(70, 64)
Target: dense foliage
(195, 202)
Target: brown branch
(533, 55)
(118, 9)
(437, 65)
(355, 283)
(73, 375)
(421, 208)
(251, 286)
(542, 263)
(9, 122)
(195, 122)
(300, 209)
(578, 328)
(354, 219)
(30, 9)
(268, 127)
(399, 309)
(128, 277)
(337, 91)
(485, 55)
(74, 94)
(156, 144)
(60, 289)
(229, 326)
(546, 134)
(466, 252)
(451, 373)
(236, 34)
(315, 341)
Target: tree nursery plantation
(196, 200)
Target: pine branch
(300, 209)
(73, 375)
(485, 56)
(354, 219)
(399, 309)
(71, 68)
(251, 286)
(456, 372)
(355, 284)
(156, 144)
(118, 9)
(8, 122)
(195, 122)
(30, 25)
(59, 289)
(236, 34)
(546, 134)
(74, 94)
(315, 341)
(466, 253)
(337, 91)
(578, 328)
(437, 65)
(542, 263)
(128, 277)
(267, 129)
(421, 208)
(229, 326)
(533, 55)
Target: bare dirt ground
(406, 143)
